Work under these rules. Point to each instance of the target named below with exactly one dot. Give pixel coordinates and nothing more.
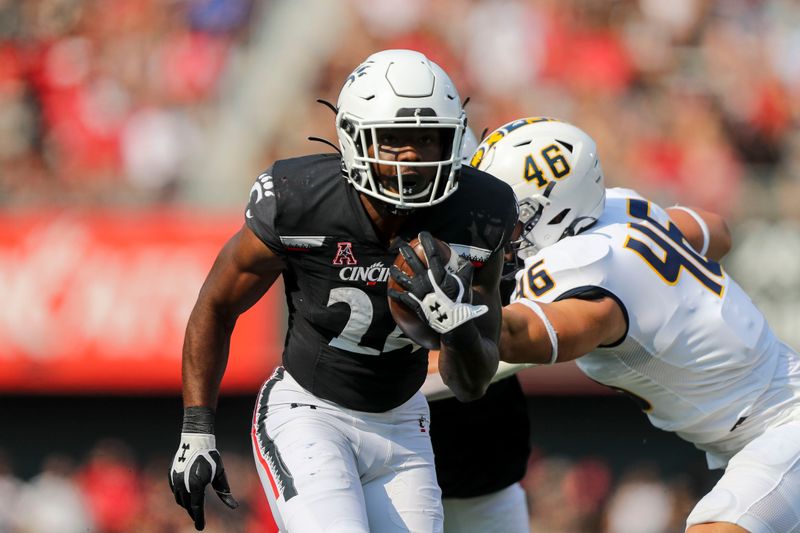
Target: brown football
(413, 326)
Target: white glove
(444, 313)
(441, 297)
(196, 464)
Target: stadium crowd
(102, 103)
(688, 99)
(111, 491)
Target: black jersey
(482, 446)
(342, 343)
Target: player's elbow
(468, 392)
(725, 240)
(211, 315)
(466, 398)
(469, 384)
(720, 241)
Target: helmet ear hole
(347, 126)
(559, 217)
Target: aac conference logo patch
(344, 254)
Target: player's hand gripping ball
(430, 290)
(415, 327)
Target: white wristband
(700, 222)
(551, 332)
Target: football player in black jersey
(480, 475)
(340, 431)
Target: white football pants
(327, 468)
(760, 490)
(504, 511)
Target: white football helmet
(469, 144)
(399, 89)
(555, 173)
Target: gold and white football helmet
(555, 172)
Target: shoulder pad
(567, 265)
(616, 193)
(576, 252)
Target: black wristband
(198, 419)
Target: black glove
(196, 464)
(438, 295)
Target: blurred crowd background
(108, 490)
(597, 466)
(115, 102)
(135, 104)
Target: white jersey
(697, 353)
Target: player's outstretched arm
(707, 232)
(577, 327)
(243, 271)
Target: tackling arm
(580, 327)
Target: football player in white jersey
(633, 292)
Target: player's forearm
(561, 331)
(522, 339)
(467, 362)
(205, 356)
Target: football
(413, 326)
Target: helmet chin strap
(397, 210)
(421, 194)
(571, 231)
(384, 207)
(523, 243)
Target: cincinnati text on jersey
(375, 273)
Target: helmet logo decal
(556, 161)
(533, 172)
(501, 132)
(344, 254)
(358, 72)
